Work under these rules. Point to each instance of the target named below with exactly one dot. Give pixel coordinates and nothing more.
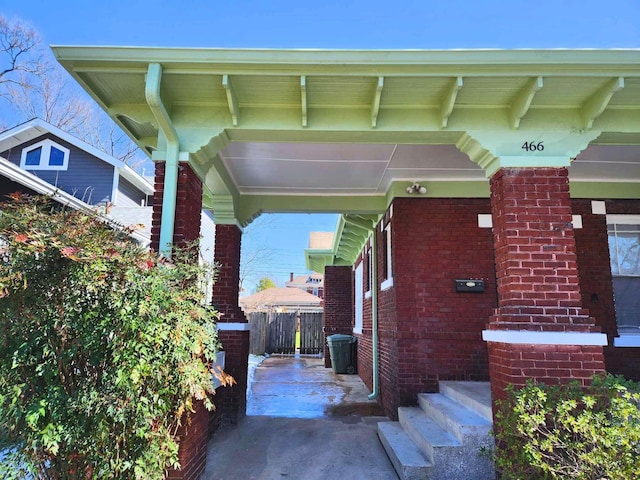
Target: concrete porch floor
(304, 423)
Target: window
(368, 277)
(45, 155)
(357, 328)
(387, 263)
(624, 250)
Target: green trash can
(342, 349)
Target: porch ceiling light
(416, 188)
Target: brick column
(194, 434)
(539, 329)
(188, 206)
(338, 304)
(233, 333)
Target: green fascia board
(355, 62)
(604, 190)
(250, 206)
(316, 260)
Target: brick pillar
(231, 401)
(338, 304)
(539, 329)
(188, 206)
(194, 434)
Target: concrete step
(474, 395)
(409, 462)
(430, 438)
(467, 426)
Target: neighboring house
(312, 283)
(281, 300)
(39, 158)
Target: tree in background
(105, 347)
(254, 259)
(264, 283)
(33, 85)
(20, 58)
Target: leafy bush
(104, 347)
(561, 432)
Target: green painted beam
(604, 190)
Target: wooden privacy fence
(276, 333)
(311, 338)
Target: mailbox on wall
(470, 285)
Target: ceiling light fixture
(416, 188)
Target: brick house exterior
(429, 332)
(502, 169)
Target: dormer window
(45, 155)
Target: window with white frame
(44, 155)
(387, 263)
(624, 250)
(359, 293)
(368, 278)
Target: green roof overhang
(347, 131)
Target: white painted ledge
(627, 341)
(544, 338)
(234, 327)
(387, 284)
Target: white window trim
(624, 339)
(627, 340)
(44, 156)
(388, 282)
(623, 219)
(369, 256)
(359, 304)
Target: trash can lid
(339, 337)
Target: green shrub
(561, 432)
(104, 347)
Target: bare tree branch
(20, 58)
(34, 86)
(252, 258)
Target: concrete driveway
(304, 423)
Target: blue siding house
(39, 158)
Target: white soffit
(619, 163)
(260, 167)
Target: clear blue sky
(344, 24)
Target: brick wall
(194, 437)
(227, 284)
(596, 280)
(537, 278)
(231, 400)
(536, 264)
(188, 206)
(365, 344)
(427, 331)
(194, 433)
(338, 304)
(513, 364)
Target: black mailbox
(470, 285)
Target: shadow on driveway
(304, 423)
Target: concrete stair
(442, 437)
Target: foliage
(561, 432)
(264, 283)
(104, 348)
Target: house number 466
(533, 146)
